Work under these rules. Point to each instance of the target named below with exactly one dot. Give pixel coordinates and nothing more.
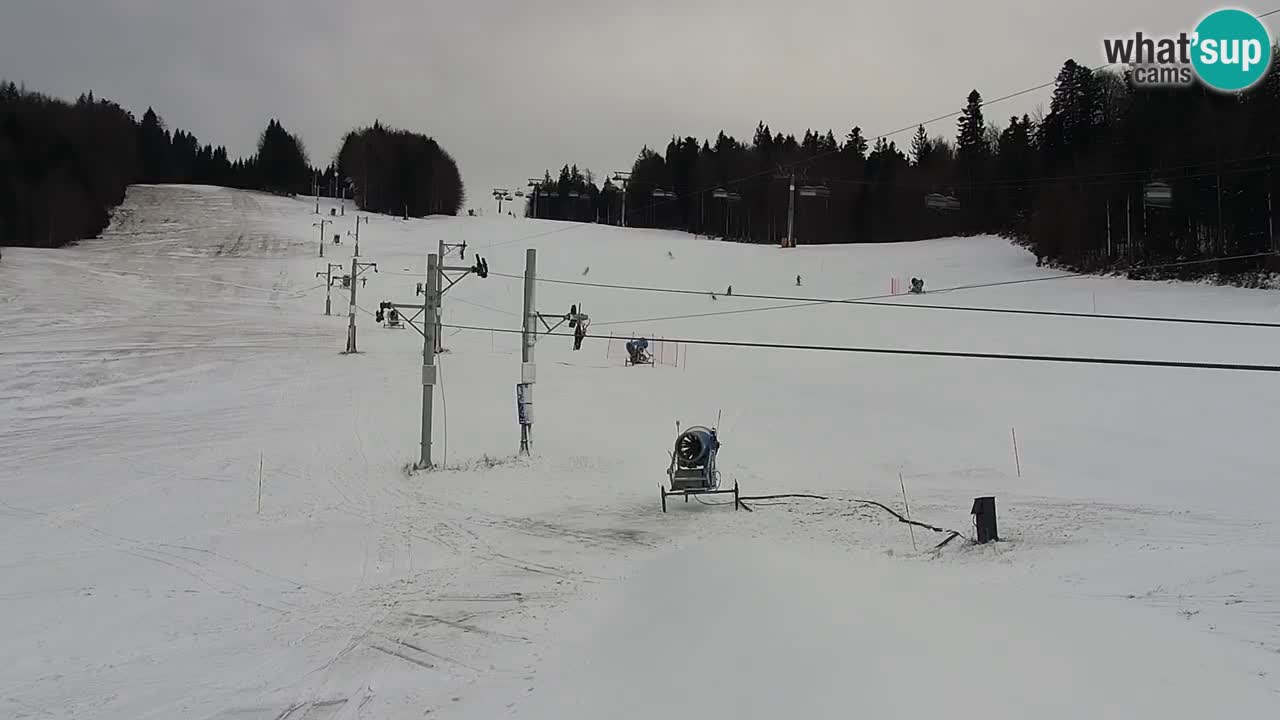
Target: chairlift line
(1065, 359)
(877, 300)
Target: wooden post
(260, 459)
(908, 509)
(1016, 461)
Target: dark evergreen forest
(64, 166)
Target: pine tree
(154, 149)
(856, 144)
(282, 161)
(971, 138)
(921, 148)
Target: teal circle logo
(1232, 50)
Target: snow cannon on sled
(638, 352)
(693, 465)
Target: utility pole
(536, 184)
(344, 200)
(433, 294)
(1271, 220)
(1128, 224)
(1222, 238)
(321, 225)
(356, 269)
(623, 177)
(315, 185)
(790, 240)
(359, 220)
(328, 281)
(1271, 225)
(791, 212)
(528, 330)
(1108, 228)
(429, 302)
(501, 195)
(529, 339)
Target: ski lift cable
(954, 354)
(875, 300)
(1100, 178)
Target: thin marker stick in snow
(908, 509)
(260, 483)
(1017, 463)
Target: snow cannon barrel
(695, 445)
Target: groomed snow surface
(144, 377)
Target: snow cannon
(696, 447)
(693, 465)
(638, 352)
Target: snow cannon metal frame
(693, 466)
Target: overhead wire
(875, 300)
(1082, 360)
(1099, 178)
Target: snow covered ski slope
(147, 376)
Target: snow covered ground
(144, 377)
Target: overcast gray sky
(513, 88)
